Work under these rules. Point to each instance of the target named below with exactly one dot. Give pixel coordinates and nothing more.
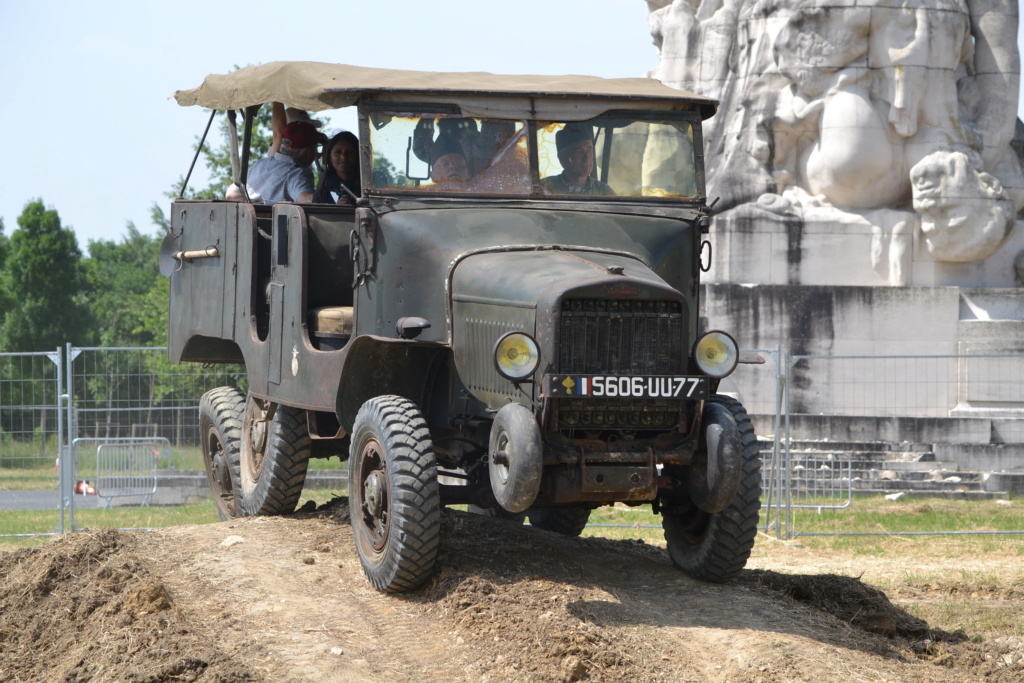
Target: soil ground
(284, 599)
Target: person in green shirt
(575, 145)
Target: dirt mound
(855, 603)
(284, 599)
(87, 608)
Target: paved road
(175, 488)
(42, 500)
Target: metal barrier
(30, 391)
(829, 438)
(125, 467)
(125, 397)
(877, 424)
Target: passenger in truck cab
(284, 175)
(340, 160)
(575, 146)
(448, 167)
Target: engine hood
(540, 276)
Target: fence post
(72, 354)
(64, 467)
(790, 363)
(774, 497)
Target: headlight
(716, 354)
(516, 356)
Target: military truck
(521, 336)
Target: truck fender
(377, 366)
(714, 484)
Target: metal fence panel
(30, 494)
(137, 393)
(126, 468)
(838, 425)
(931, 425)
(133, 395)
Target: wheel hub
(373, 499)
(257, 437)
(500, 458)
(220, 471)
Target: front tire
(394, 496)
(715, 546)
(516, 458)
(220, 428)
(274, 457)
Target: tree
(43, 281)
(120, 275)
(4, 248)
(4, 245)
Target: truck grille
(621, 337)
(610, 337)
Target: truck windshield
(600, 158)
(449, 154)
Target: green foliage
(43, 283)
(4, 248)
(151, 314)
(385, 173)
(4, 244)
(120, 276)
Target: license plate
(626, 386)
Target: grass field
(870, 518)
(40, 473)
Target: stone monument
(865, 168)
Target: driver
(575, 144)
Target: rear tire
(394, 497)
(566, 521)
(497, 512)
(220, 428)
(715, 546)
(274, 457)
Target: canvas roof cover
(316, 86)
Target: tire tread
(415, 494)
(731, 533)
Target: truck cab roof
(318, 86)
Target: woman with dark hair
(340, 163)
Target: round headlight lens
(516, 356)
(716, 354)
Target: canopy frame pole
(181, 192)
(247, 138)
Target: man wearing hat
(448, 167)
(575, 144)
(284, 175)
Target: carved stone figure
(965, 215)
(898, 111)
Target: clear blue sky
(88, 125)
